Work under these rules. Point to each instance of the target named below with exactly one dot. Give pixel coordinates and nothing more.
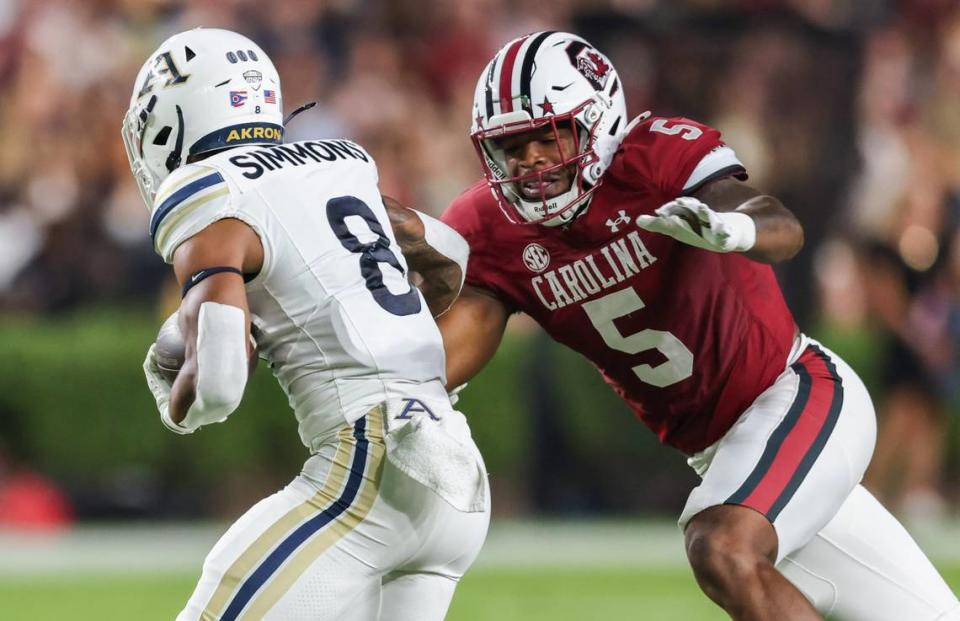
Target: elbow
(212, 406)
(799, 238)
(787, 237)
(796, 240)
(217, 391)
(220, 389)
(221, 402)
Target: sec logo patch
(536, 257)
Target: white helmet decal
(540, 80)
(202, 90)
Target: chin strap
(298, 111)
(173, 160)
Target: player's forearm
(432, 250)
(183, 392)
(441, 277)
(776, 233)
(472, 332)
(779, 235)
(211, 382)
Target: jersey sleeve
(189, 200)
(677, 156)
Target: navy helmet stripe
(776, 438)
(235, 135)
(181, 195)
(526, 70)
(833, 414)
(306, 530)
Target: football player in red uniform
(638, 244)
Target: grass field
(484, 595)
(529, 572)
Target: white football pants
(352, 538)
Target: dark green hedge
(74, 405)
(75, 387)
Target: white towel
(439, 454)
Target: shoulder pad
(183, 192)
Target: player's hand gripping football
(163, 361)
(693, 222)
(157, 382)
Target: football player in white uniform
(392, 506)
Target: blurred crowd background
(847, 110)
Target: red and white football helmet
(548, 79)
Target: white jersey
(342, 328)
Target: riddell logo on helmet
(589, 63)
(252, 133)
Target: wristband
(742, 230)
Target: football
(170, 350)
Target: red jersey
(687, 337)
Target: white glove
(160, 387)
(693, 222)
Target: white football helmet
(548, 79)
(202, 90)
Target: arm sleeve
(445, 240)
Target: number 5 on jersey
(679, 360)
(687, 132)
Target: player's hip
(801, 411)
(797, 451)
(426, 440)
(324, 405)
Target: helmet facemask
(135, 124)
(550, 210)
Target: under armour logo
(614, 225)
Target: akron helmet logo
(254, 132)
(536, 257)
(163, 65)
(590, 63)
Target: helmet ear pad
(543, 78)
